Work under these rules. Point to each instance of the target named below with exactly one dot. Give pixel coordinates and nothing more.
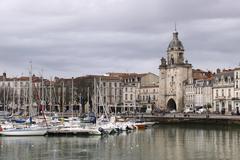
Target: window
(104, 99)
(126, 89)
(236, 84)
(131, 97)
(126, 97)
(216, 93)
(223, 92)
(229, 92)
(236, 75)
(229, 106)
(104, 84)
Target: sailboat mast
(4, 94)
(19, 95)
(30, 88)
(94, 96)
(13, 103)
(62, 97)
(72, 97)
(42, 95)
(101, 100)
(50, 95)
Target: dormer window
(222, 78)
(226, 79)
(229, 79)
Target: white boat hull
(24, 132)
(75, 131)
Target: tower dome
(175, 43)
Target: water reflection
(161, 143)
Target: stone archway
(171, 105)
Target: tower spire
(175, 26)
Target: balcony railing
(220, 97)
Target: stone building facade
(223, 91)
(198, 91)
(174, 72)
(149, 91)
(236, 98)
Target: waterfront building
(131, 87)
(174, 72)
(137, 90)
(203, 93)
(236, 98)
(14, 92)
(109, 94)
(223, 91)
(149, 91)
(189, 94)
(198, 91)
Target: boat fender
(100, 129)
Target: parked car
(201, 110)
(188, 110)
(235, 112)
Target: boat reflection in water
(166, 142)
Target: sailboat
(33, 130)
(28, 129)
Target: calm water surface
(165, 142)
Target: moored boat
(27, 131)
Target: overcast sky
(68, 38)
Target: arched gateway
(171, 105)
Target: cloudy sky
(77, 37)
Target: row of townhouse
(118, 92)
(136, 91)
(115, 92)
(14, 92)
(219, 91)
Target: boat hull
(40, 132)
(74, 131)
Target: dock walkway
(190, 118)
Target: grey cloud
(72, 38)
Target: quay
(180, 118)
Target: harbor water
(163, 142)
